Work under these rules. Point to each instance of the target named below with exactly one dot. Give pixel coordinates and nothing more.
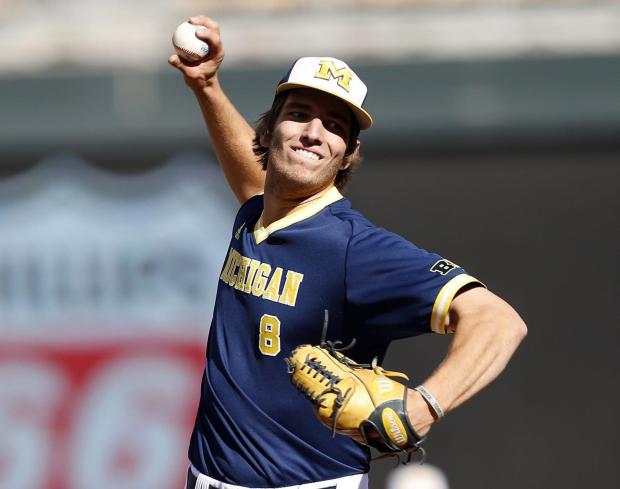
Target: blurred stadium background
(497, 144)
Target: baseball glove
(358, 400)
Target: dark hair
(267, 121)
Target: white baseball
(187, 45)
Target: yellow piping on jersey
(439, 316)
(329, 197)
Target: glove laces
(335, 349)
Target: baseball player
(298, 248)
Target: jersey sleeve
(395, 289)
(248, 214)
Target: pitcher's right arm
(231, 135)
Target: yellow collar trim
(329, 197)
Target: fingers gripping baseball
(200, 73)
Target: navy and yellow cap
(332, 76)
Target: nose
(313, 132)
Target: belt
(196, 480)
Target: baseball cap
(332, 76)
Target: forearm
(479, 352)
(232, 138)
(484, 342)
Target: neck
(278, 205)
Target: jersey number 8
(269, 335)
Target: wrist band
(430, 399)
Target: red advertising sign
(102, 416)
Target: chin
(297, 178)
(299, 184)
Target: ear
(346, 161)
(265, 139)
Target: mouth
(307, 154)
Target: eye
(335, 127)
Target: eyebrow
(298, 105)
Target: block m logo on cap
(328, 70)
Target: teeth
(307, 154)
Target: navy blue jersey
(253, 428)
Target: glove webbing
(320, 370)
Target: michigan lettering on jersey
(328, 70)
(261, 279)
